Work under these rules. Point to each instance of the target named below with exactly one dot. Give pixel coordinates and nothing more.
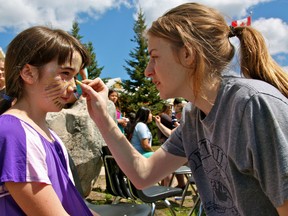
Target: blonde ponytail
(256, 62)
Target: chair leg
(153, 207)
(197, 202)
(116, 200)
(168, 204)
(184, 194)
(200, 209)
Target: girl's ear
(29, 74)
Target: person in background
(178, 105)
(35, 177)
(131, 119)
(233, 131)
(82, 75)
(166, 128)
(121, 120)
(140, 135)
(166, 120)
(2, 78)
(7, 102)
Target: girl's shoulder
(8, 122)
(140, 125)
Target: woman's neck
(206, 98)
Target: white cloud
(20, 14)
(275, 32)
(236, 8)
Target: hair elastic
(232, 32)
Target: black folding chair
(186, 171)
(149, 195)
(115, 209)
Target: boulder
(82, 139)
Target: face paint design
(55, 90)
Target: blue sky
(108, 24)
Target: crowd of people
(232, 131)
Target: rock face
(82, 140)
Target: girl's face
(56, 83)
(170, 77)
(150, 118)
(113, 97)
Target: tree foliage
(138, 90)
(93, 69)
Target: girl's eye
(66, 73)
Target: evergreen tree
(75, 31)
(139, 90)
(93, 69)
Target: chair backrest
(148, 195)
(117, 182)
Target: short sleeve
(142, 131)
(264, 130)
(22, 155)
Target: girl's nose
(71, 86)
(70, 89)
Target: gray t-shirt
(238, 153)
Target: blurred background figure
(178, 105)
(2, 78)
(140, 135)
(166, 120)
(121, 120)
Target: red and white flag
(242, 22)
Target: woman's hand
(122, 122)
(96, 94)
(157, 119)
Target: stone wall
(82, 140)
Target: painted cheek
(55, 89)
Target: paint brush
(78, 82)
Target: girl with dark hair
(35, 177)
(140, 135)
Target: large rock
(82, 140)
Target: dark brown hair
(38, 46)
